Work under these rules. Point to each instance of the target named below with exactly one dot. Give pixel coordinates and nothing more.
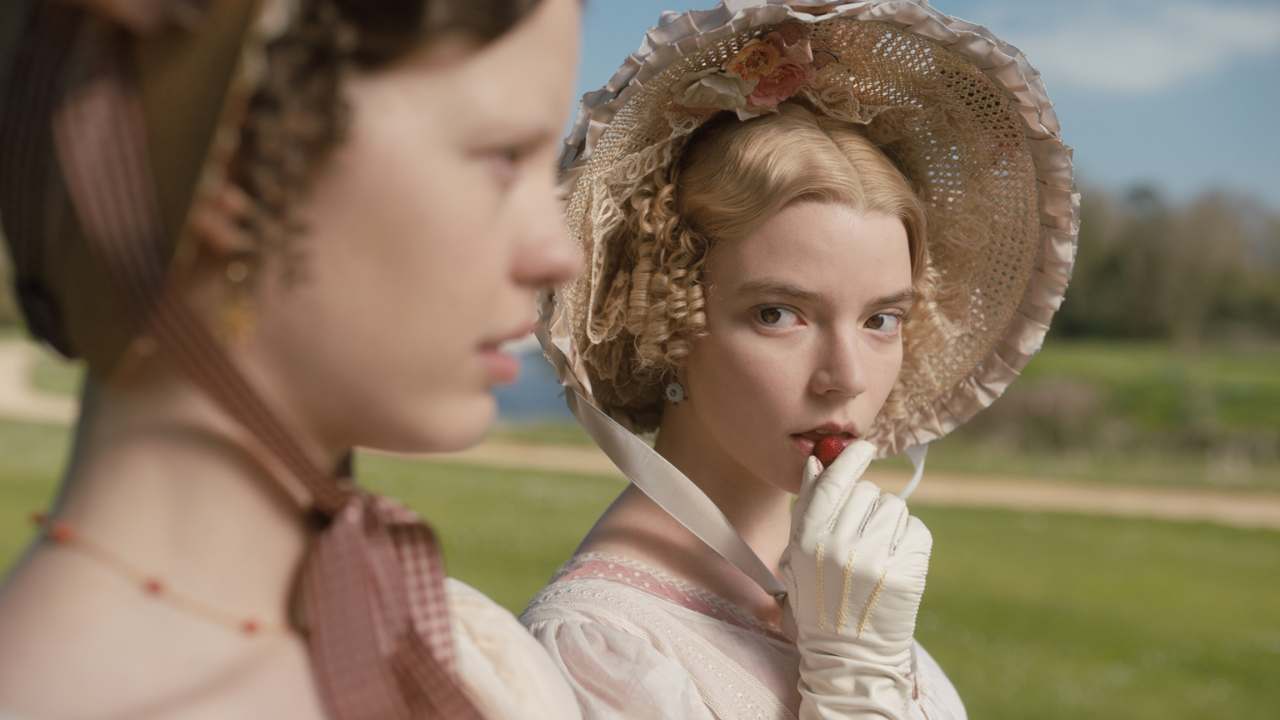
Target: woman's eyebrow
(522, 138)
(777, 288)
(902, 297)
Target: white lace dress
(502, 668)
(635, 642)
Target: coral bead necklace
(153, 586)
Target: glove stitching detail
(847, 586)
(871, 602)
(822, 612)
(900, 531)
(870, 511)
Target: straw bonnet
(963, 114)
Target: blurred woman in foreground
(274, 231)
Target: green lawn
(1032, 615)
(504, 532)
(31, 458)
(1063, 616)
(1151, 381)
(52, 375)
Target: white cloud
(1125, 49)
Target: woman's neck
(165, 480)
(758, 510)
(636, 526)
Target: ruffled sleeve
(936, 697)
(503, 668)
(617, 674)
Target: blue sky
(1180, 93)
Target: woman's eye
(505, 164)
(885, 322)
(776, 317)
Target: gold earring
(237, 312)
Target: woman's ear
(228, 258)
(221, 223)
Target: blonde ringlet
(730, 178)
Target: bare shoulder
(276, 684)
(273, 680)
(99, 652)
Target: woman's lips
(500, 356)
(803, 444)
(501, 368)
(806, 442)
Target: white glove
(855, 572)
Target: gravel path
(1237, 509)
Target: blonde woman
(831, 231)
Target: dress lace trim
(654, 581)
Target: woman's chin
(465, 423)
(792, 477)
(447, 425)
(792, 485)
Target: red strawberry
(828, 449)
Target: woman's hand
(855, 572)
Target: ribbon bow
(373, 597)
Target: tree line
(1206, 269)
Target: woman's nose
(546, 258)
(838, 372)
(546, 255)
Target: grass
(1065, 616)
(31, 458)
(505, 532)
(1154, 384)
(51, 374)
(544, 433)
(1142, 466)
(1032, 615)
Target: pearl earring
(675, 392)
